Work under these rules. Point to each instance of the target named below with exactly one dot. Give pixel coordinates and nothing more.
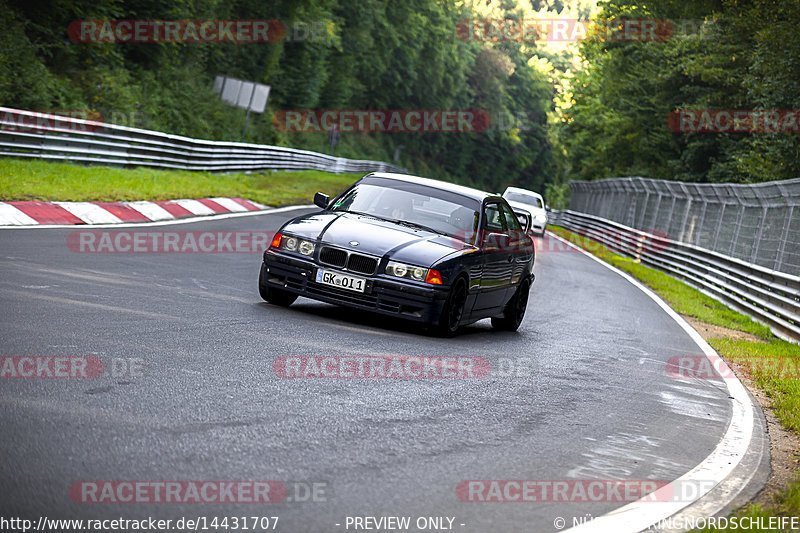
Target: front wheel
(453, 310)
(515, 310)
(273, 295)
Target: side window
(512, 222)
(493, 219)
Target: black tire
(273, 295)
(515, 309)
(453, 310)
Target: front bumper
(393, 298)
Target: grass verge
(43, 180)
(772, 365)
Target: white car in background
(529, 201)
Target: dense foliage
(337, 54)
(556, 115)
(723, 55)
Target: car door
(518, 246)
(497, 258)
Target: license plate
(342, 281)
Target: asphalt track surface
(585, 393)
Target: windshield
(414, 205)
(523, 198)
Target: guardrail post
(759, 233)
(655, 213)
(738, 224)
(686, 211)
(787, 222)
(639, 247)
(737, 227)
(640, 218)
(669, 215)
(632, 198)
(762, 223)
(723, 205)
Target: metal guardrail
(44, 136)
(769, 296)
(755, 222)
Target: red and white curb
(70, 213)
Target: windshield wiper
(419, 226)
(368, 215)
(396, 221)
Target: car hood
(533, 210)
(376, 237)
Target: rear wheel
(515, 310)
(453, 310)
(273, 295)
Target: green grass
(773, 368)
(772, 365)
(43, 180)
(786, 504)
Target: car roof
(524, 191)
(438, 184)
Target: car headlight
(306, 247)
(418, 273)
(402, 270)
(293, 244)
(541, 218)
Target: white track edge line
(188, 220)
(734, 443)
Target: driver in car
(402, 208)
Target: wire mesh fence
(769, 296)
(757, 223)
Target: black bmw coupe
(413, 248)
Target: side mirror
(321, 200)
(525, 222)
(547, 208)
